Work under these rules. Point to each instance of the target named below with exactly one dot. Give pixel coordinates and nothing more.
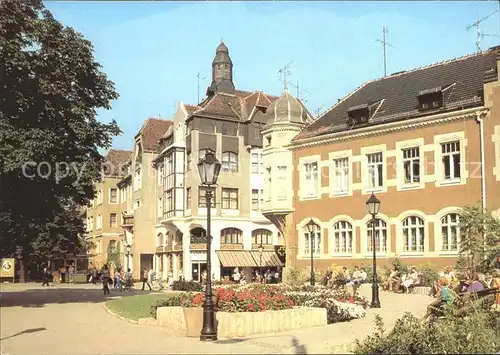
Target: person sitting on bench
(411, 279)
(445, 296)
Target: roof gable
(115, 161)
(151, 132)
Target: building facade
(425, 141)
(228, 122)
(103, 215)
(137, 190)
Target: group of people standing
(56, 275)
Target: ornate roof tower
(222, 72)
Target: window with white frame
(229, 161)
(188, 198)
(342, 237)
(413, 234)
(375, 170)
(138, 179)
(380, 235)
(282, 185)
(231, 236)
(312, 242)
(229, 199)
(255, 199)
(113, 220)
(411, 165)
(450, 155)
(169, 168)
(255, 163)
(202, 201)
(113, 195)
(159, 171)
(123, 193)
(262, 236)
(310, 184)
(450, 232)
(341, 175)
(112, 247)
(188, 161)
(99, 222)
(269, 185)
(160, 207)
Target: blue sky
(154, 50)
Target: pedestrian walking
(71, 272)
(105, 280)
(46, 275)
(145, 279)
(118, 281)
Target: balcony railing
(159, 249)
(167, 248)
(267, 247)
(198, 246)
(178, 247)
(128, 221)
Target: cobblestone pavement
(70, 319)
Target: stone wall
(231, 325)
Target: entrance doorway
(198, 268)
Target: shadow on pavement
(41, 297)
(26, 331)
(297, 347)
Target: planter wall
(231, 325)
(80, 278)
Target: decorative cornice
(282, 128)
(389, 127)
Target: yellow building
(103, 216)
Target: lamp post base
(208, 331)
(375, 296)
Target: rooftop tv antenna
(479, 34)
(284, 73)
(301, 95)
(384, 42)
(198, 77)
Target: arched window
(308, 241)
(231, 236)
(380, 235)
(229, 161)
(342, 237)
(413, 234)
(198, 235)
(450, 232)
(112, 246)
(262, 236)
(159, 240)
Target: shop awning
(269, 259)
(236, 258)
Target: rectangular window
(160, 172)
(112, 220)
(123, 193)
(411, 165)
(113, 195)
(188, 161)
(229, 199)
(450, 153)
(229, 161)
(169, 169)
(375, 170)
(137, 179)
(160, 207)
(169, 201)
(310, 179)
(282, 185)
(188, 198)
(255, 200)
(255, 163)
(256, 133)
(202, 202)
(341, 175)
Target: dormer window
(358, 114)
(430, 99)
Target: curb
(118, 316)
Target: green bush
(479, 333)
(170, 301)
(189, 286)
(295, 277)
(428, 276)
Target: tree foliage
(50, 91)
(479, 238)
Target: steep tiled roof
(152, 130)
(461, 80)
(237, 106)
(115, 160)
(191, 108)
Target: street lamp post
(208, 168)
(312, 227)
(373, 207)
(128, 247)
(261, 250)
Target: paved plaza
(71, 319)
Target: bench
(463, 303)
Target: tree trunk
(22, 278)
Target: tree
(479, 238)
(50, 91)
(114, 255)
